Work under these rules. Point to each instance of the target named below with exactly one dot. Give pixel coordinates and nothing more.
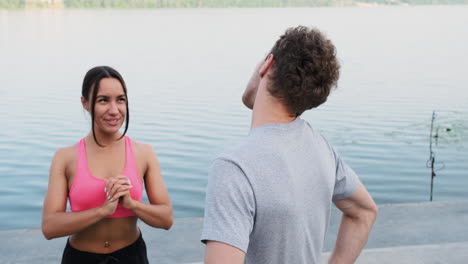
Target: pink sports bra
(87, 191)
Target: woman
(102, 176)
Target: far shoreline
(200, 4)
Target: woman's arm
(158, 213)
(55, 221)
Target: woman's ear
(85, 104)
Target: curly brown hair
(305, 69)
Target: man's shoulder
(236, 158)
(243, 150)
(234, 155)
(228, 170)
(317, 136)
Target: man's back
(269, 200)
(271, 196)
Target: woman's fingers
(120, 192)
(125, 179)
(113, 184)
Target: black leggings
(132, 254)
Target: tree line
(209, 3)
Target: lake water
(186, 71)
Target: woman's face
(110, 107)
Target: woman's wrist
(101, 212)
(133, 205)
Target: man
(269, 200)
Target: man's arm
(218, 252)
(229, 214)
(359, 214)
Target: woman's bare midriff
(107, 235)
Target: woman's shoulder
(144, 154)
(142, 148)
(66, 154)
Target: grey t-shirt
(271, 196)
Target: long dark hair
(91, 83)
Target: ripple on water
(378, 119)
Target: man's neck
(269, 110)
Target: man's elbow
(365, 215)
(372, 213)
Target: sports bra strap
(82, 162)
(130, 157)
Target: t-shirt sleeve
(229, 206)
(346, 181)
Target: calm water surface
(186, 71)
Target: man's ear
(85, 103)
(266, 65)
